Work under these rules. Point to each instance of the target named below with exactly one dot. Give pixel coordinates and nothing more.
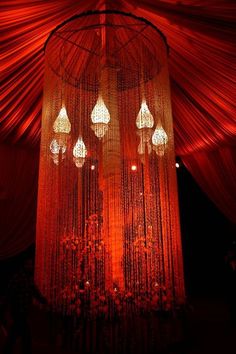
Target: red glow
(112, 233)
(202, 90)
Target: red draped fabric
(201, 36)
(214, 171)
(18, 191)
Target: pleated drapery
(201, 37)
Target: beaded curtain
(108, 233)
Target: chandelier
(108, 230)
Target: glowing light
(100, 117)
(177, 165)
(134, 168)
(79, 149)
(100, 113)
(159, 137)
(144, 123)
(144, 118)
(79, 153)
(56, 147)
(92, 167)
(62, 123)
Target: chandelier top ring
(125, 39)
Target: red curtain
(215, 172)
(201, 35)
(18, 198)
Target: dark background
(206, 236)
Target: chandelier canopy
(108, 235)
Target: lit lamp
(56, 149)
(62, 124)
(79, 153)
(61, 128)
(159, 140)
(144, 123)
(100, 117)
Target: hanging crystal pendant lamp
(159, 140)
(62, 124)
(144, 123)
(61, 128)
(100, 117)
(79, 153)
(56, 148)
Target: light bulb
(100, 117)
(100, 113)
(56, 147)
(62, 123)
(79, 149)
(159, 137)
(144, 118)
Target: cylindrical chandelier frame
(108, 233)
